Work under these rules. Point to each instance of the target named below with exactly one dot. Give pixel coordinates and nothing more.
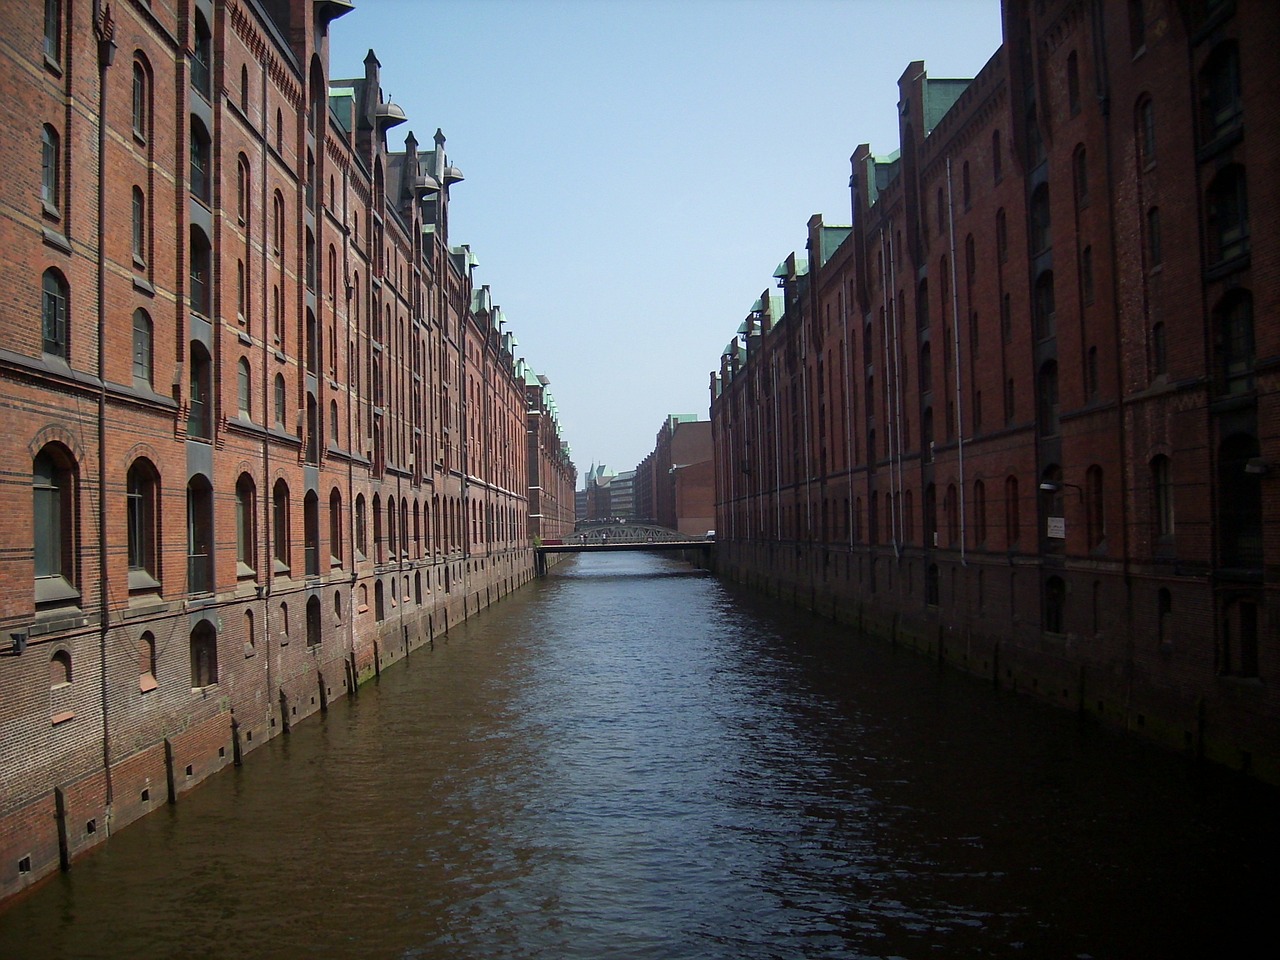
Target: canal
(632, 759)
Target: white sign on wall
(1057, 528)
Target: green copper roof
(939, 97)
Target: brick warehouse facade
(1023, 413)
(266, 433)
(552, 476)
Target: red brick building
(1022, 413)
(275, 434)
(675, 484)
(552, 475)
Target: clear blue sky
(636, 169)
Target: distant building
(675, 484)
(552, 475)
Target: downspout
(897, 418)
(777, 451)
(804, 393)
(955, 334)
(885, 297)
(1104, 102)
(848, 420)
(263, 517)
(104, 28)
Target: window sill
(147, 683)
(141, 581)
(64, 717)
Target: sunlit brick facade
(1022, 413)
(265, 433)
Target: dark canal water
(633, 760)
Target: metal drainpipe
(804, 394)
(777, 450)
(897, 420)
(955, 335)
(1104, 98)
(893, 400)
(104, 28)
(848, 418)
(263, 498)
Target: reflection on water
(630, 759)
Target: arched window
(277, 223)
(1228, 213)
(279, 397)
(1221, 106)
(244, 190)
(1162, 496)
(141, 101)
(138, 234)
(391, 525)
(246, 527)
(1154, 247)
(311, 533)
(335, 528)
(312, 449)
(50, 169)
(53, 314)
(201, 162)
(1045, 307)
(313, 621)
(59, 669)
(1041, 220)
(201, 56)
(199, 535)
(280, 533)
(1234, 341)
(377, 529)
(926, 368)
(362, 545)
(55, 519)
(142, 503)
(1146, 132)
(200, 296)
(244, 88)
(244, 389)
(964, 184)
(143, 350)
(1002, 236)
(204, 655)
(147, 662)
(1080, 176)
(997, 157)
(200, 400)
(53, 31)
(1159, 350)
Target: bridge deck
(617, 545)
